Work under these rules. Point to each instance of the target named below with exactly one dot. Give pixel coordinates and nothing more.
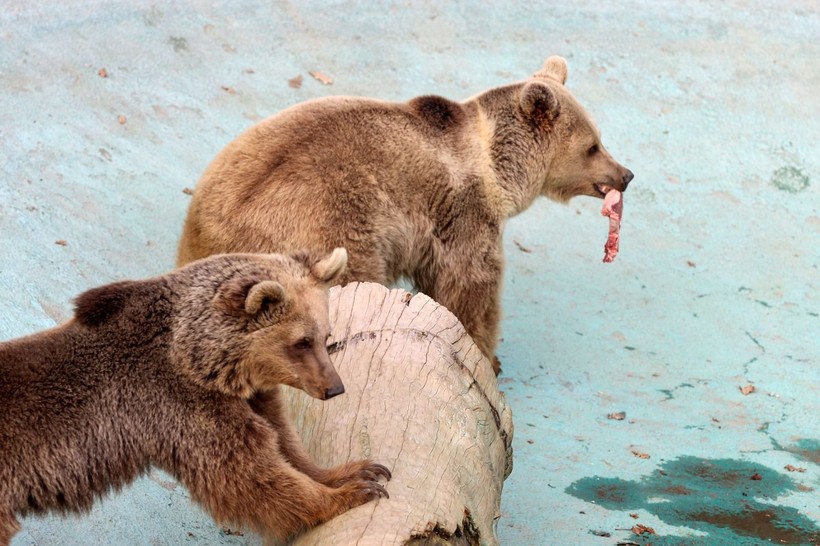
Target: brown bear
(181, 371)
(420, 189)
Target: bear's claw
(378, 490)
(377, 470)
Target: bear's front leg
(468, 283)
(269, 405)
(250, 483)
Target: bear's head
(248, 322)
(564, 156)
(580, 165)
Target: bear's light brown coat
(419, 189)
(181, 372)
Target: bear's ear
(248, 295)
(266, 292)
(96, 306)
(554, 67)
(329, 269)
(538, 102)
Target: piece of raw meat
(613, 207)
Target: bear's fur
(419, 189)
(181, 371)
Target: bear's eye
(592, 150)
(303, 344)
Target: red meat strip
(613, 207)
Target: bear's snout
(614, 183)
(628, 176)
(335, 390)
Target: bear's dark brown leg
(269, 405)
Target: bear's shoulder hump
(439, 112)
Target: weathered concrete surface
(713, 106)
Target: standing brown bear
(182, 372)
(420, 189)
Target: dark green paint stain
(180, 44)
(790, 179)
(806, 449)
(713, 496)
(669, 392)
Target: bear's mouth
(601, 189)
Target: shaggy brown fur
(419, 189)
(182, 372)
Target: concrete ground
(713, 105)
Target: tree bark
(421, 399)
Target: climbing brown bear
(182, 372)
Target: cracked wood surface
(419, 398)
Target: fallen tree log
(421, 399)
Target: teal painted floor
(714, 105)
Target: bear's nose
(334, 391)
(628, 176)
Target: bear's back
(76, 414)
(361, 165)
(324, 134)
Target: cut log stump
(421, 399)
